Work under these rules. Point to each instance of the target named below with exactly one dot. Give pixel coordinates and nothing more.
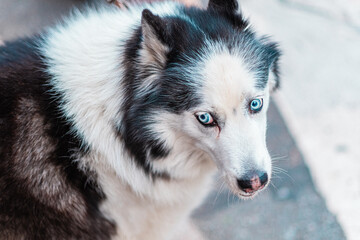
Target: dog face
(204, 90)
(230, 122)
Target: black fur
(224, 5)
(23, 81)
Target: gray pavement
(20, 18)
(289, 209)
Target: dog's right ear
(231, 6)
(274, 72)
(230, 9)
(156, 36)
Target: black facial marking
(171, 92)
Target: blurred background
(314, 120)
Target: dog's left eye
(205, 118)
(256, 105)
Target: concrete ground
(318, 104)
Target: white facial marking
(238, 145)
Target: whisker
(219, 191)
(272, 184)
(228, 204)
(278, 170)
(275, 159)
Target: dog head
(202, 89)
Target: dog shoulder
(43, 191)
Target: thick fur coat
(113, 122)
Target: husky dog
(113, 123)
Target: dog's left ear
(156, 37)
(274, 71)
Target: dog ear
(230, 6)
(231, 10)
(156, 37)
(274, 71)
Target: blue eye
(256, 105)
(205, 118)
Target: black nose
(253, 181)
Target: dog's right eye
(205, 119)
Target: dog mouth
(234, 188)
(245, 195)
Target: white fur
(84, 56)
